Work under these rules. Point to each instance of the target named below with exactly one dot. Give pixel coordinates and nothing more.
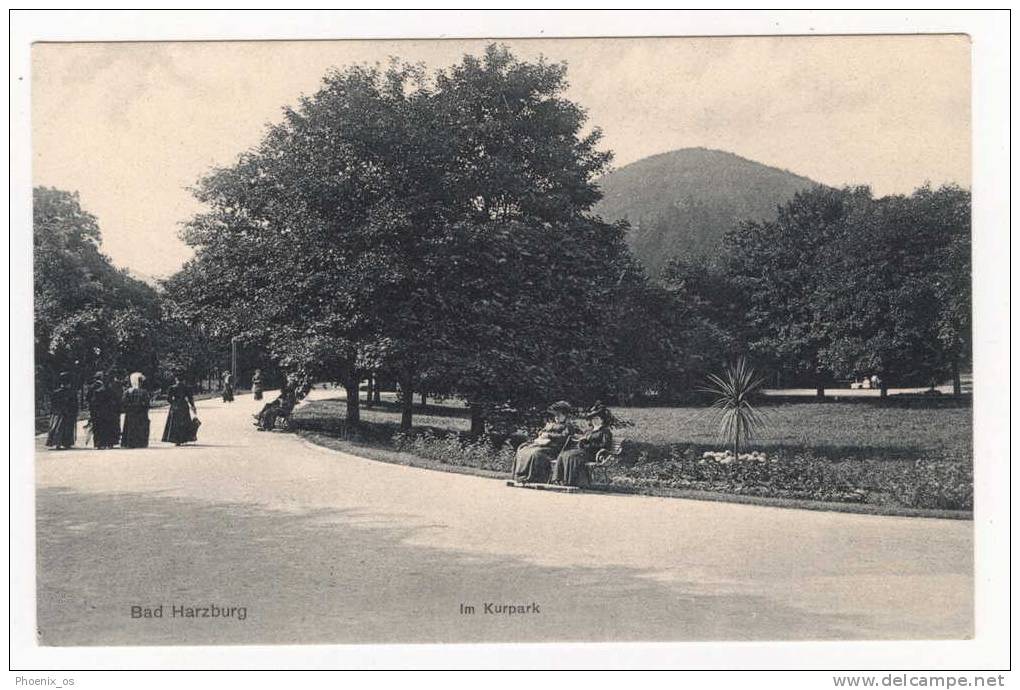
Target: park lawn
(862, 453)
(853, 429)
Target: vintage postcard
(503, 340)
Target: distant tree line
(842, 286)
(434, 231)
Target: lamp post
(233, 358)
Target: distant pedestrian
(104, 413)
(256, 384)
(180, 427)
(135, 404)
(63, 414)
(228, 387)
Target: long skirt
(569, 468)
(257, 392)
(62, 430)
(136, 429)
(532, 463)
(228, 394)
(179, 427)
(105, 429)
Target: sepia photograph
(614, 339)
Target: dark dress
(281, 407)
(179, 427)
(228, 388)
(256, 386)
(534, 459)
(569, 468)
(104, 415)
(63, 418)
(136, 419)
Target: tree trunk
(957, 386)
(424, 400)
(820, 391)
(406, 402)
(376, 391)
(351, 382)
(884, 391)
(477, 421)
(368, 390)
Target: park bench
(603, 460)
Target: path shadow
(334, 576)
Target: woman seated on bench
(265, 420)
(534, 458)
(570, 468)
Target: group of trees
(91, 316)
(430, 229)
(843, 285)
(435, 231)
(88, 314)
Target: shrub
(454, 450)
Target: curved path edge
(328, 443)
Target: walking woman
(534, 459)
(570, 468)
(228, 387)
(63, 414)
(180, 428)
(104, 413)
(256, 384)
(136, 414)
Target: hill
(684, 201)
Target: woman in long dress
(256, 384)
(63, 414)
(533, 461)
(136, 414)
(570, 468)
(179, 427)
(228, 387)
(104, 413)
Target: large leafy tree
(778, 268)
(436, 229)
(895, 301)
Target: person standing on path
(63, 414)
(135, 403)
(104, 413)
(180, 428)
(256, 384)
(228, 387)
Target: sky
(131, 126)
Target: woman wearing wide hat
(570, 468)
(534, 458)
(136, 414)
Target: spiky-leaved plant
(738, 421)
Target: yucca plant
(738, 421)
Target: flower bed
(929, 482)
(883, 474)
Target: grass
(869, 455)
(830, 429)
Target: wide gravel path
(320, 547)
